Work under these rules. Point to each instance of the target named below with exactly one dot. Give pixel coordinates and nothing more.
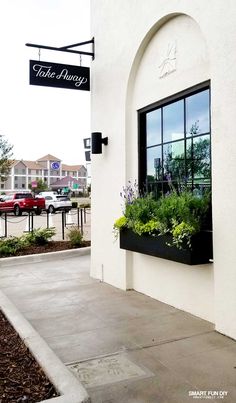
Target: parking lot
(17, 226)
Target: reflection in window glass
(173, 121)
(154, 163)
(174, 167)
(178, 145)
(153, 127)
(198, 159)
(197, 113)
(201, 154)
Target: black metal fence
(79, 215)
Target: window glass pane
(174, 166)
(156, 188)
(197, 113)
(166, 128)
(198, 159)
(154, 163)
(153, 122)
(173, 121)
(201, 155)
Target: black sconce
(97, 142)
(87, 156)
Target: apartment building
(48, 168)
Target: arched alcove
(172, 57)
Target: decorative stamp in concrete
(109, 369)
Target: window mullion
(162, 154)
(185, 145)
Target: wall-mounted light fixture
(87, 143)
(97, 142)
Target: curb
(41, 257)
(70, 389)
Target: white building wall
(131, 37)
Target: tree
(194, 166)
(41, 186)
(5, 154)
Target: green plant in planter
(180, 215)
(182, 233)
(119, 224)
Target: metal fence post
(63, 224)
(78, 216)
(29, 230)
(32, 221)
(5, 224)
(81, 221)
(65, 218)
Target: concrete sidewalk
(124, 347)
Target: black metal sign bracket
(68, 48)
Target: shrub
(75, 237)
(10, 246)
(84, 205)
(39, 236)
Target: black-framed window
(175, 142)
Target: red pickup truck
(19, 202)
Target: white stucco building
(154, 57)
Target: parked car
(19, 202)
(55, 202)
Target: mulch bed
(21, 378)
(51, 246)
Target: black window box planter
(200, 253)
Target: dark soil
(52, 246)
(21, 378)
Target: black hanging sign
(59, 75)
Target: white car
(55, 202)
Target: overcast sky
(42, 120)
